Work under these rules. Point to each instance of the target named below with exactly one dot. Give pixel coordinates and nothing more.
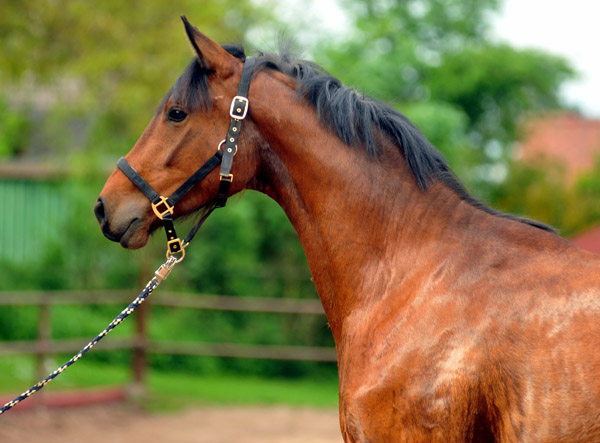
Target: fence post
(44, 333)
(139, 353)
(139, 359)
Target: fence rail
(140, 344)
(167, 299)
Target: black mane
(359, 121)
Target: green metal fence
(31, 214)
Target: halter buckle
(226, 177)
(160, 213)
(239, 107)
(176, 246)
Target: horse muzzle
(127, 227)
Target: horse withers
(452, 321)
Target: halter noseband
(164, 207)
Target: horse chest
(395, 390)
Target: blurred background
(508, 91)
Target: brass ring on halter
(171, 255)
(223, 142)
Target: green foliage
(247, 249)
(261, 250)
(15, 125)
(495, 85)
(586, 210)
(543, 192)
(107, 64)
(398, 43)
(446, 128)
(533, 191)
(112, 43)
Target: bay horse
(452, 321)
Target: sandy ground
(126, 424)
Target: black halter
(164, 207)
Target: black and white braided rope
(161, 274)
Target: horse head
(187, 129)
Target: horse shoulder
(409, 375)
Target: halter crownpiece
(164, 207)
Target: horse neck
(360, 220)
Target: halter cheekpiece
(164, 207)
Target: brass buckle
(236, 107)
(176, 246)
(226, 177)
(160, 214)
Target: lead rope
(160, 274)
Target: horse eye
(176, 115)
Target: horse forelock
(191, 91)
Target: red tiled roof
(589, 240)
(566, 137)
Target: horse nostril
(99, 211)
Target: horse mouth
(134, 236)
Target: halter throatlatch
(164, 207)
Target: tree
(541, 191)
(438, 55)
(496, 84)
(100, 68)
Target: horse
(452, 321)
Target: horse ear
(210, 54)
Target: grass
(17, 374)
(168, 390)
(175, 390)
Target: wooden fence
(44, 345)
